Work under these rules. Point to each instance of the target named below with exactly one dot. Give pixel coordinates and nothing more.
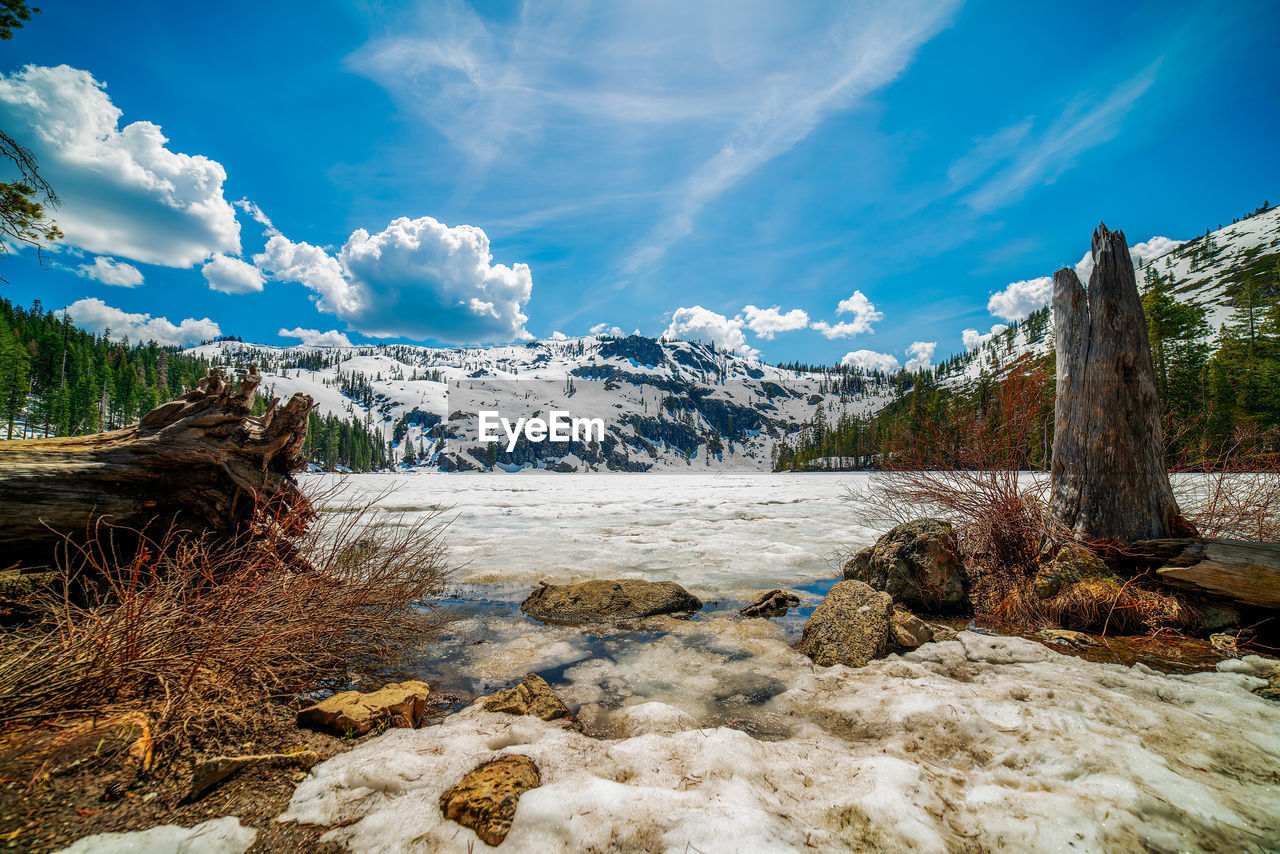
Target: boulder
(907, 631)
(485, 799)
(775, 603)
(917, 564)
(400, 704)
(607, 601)
(533, 696)
(850, 627)
(1071, 564)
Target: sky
(873, 183)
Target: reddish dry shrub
(968, 466)
(193, 633)
(1099, 604)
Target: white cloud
(973, 339)
(1021, 298)
(864, 314)
(692, 98)
(96, 316)
(921, 353)
(316, 338)
(557, 335)
(607, 329)
(767, 322)
(109, 271)
(701, 324)
(232, 276)
(123, 192)
(311, 267)
(1139, 252)
(255, 212)
(870, 360)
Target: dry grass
(193, 635)
(1104, 605)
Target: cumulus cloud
(256, 214)
(557, 335)
(921, 353)
(870, 360)
(109, 271)
(973, 339)
(701, 324)
(767, 322)
(124, 193)
(96, 316)
(864, 314)
(612, 331)
(316, 338)
(1140, 253)
(1021, 298)
(232, 276)
(418, 278)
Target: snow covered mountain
(1209, 271)
(669, 405)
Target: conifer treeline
(1220, 392)
(59, 380)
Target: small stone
(535, 697)
(353, 713)
(485, 799)
(909, 631)
(775, 603)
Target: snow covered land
(715, 734)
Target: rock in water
(850, 627)
(534, 697)
(1072, 563)
(917, 563)
(485, 799)
(399, 704)
(775, 603)
(596, 601)
(908, 631)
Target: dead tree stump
(1109, 478)
(201, 463)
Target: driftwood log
(1248, 573)
(1109, 478)
(201, 463)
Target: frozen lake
(715, 734)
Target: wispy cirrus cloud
(619, 98)
(1004, 166)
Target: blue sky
(449, 173)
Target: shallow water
(714, 732)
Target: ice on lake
(716, 734)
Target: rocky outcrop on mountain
(850, 627)
(917, 564)
(608, 601)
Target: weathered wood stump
(201, 463)
(1109, 479)
(1248, 573)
